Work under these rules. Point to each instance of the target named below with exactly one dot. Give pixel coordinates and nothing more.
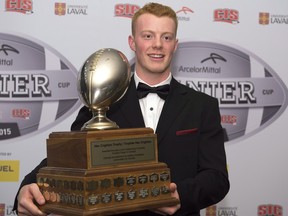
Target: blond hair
(155, 9)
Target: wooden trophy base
(117, 172)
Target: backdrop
(233, 50)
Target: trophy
(102, 169)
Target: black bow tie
(143, 90)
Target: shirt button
(151, 108)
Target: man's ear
(176, 46)
(131, 43)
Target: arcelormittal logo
(250, 93)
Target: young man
(187, 123)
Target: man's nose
(157, 43)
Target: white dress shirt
(152, 104)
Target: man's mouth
(157, 56)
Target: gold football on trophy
(103, 80)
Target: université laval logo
(60, 9)
(264, 18)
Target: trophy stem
(99, 121)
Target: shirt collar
(164, 82)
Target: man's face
(154, 43)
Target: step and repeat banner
(233, 50)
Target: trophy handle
(99, 121)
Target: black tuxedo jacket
(190, 142)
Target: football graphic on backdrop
(250, 94)
(37, 87)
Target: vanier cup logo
(103, 80)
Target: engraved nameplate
(120, 151)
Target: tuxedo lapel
(130, 108)
(174, 105)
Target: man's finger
(36, 194)
(26, 198)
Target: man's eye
(148, 36)
(167, 38)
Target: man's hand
(29, 194)
(170, 210)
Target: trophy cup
(102, 169)
(103, 80)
